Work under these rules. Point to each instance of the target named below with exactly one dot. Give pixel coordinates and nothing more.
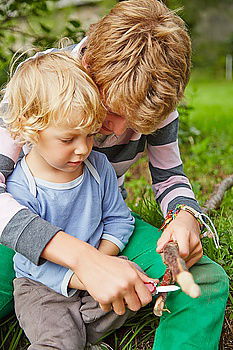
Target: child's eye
(66, 140)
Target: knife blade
(154, 289)
(165, 289)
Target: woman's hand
(185, 230)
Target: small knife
(154, 289)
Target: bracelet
(172, 214)
(193, 212)
(207, 230)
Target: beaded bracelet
(207, 230)
(172, 214)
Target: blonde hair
(45, 90)
(139, 57)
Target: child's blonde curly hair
(47, 89)
(139, 57)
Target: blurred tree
(27, 23)
(211, 27)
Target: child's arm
(108, 248)
(75, 283)
(116, 216)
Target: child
(54, 106)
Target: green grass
(11, 335)
(209, 160)
(213, 105)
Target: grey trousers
(53, 321)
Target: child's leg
(6, 277)
(98, 322)
(50, 320)
(191, 320)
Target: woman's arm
(172, 187)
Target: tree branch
(217, 197)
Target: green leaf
(76, 24)
(45, 28)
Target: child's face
(63, 149)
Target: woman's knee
(210, 275)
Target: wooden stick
(176, 271)
(179, 270)
(160, 301)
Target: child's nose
(81, 148)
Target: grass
(213, 105)
(11, 335)
(207, 160)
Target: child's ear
(84, 63)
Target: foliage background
(42, 23)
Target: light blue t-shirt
(89, 208)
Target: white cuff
(65, 290)
(114, 240)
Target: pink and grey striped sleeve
(8, 156)
(19, 227)
(169, 183)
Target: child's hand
(115, 283)
(108, 248)
(111, 281)
(75, 283)
(185, 230)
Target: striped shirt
(169, 183)
(19, 226)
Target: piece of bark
(160, 301)
(176, 271)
